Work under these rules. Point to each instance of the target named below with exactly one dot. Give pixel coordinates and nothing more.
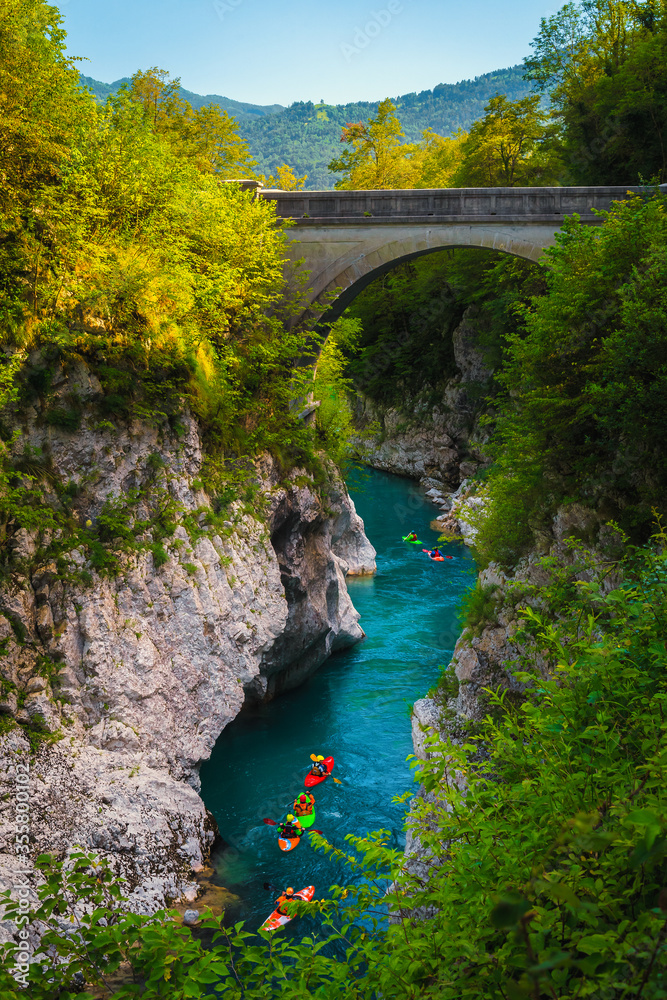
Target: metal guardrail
(514, 205)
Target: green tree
(120, 246)
(285, 179)
(208, 135)
(604, 65)
(436, 159)
(508, 147)
(332, 388)
(373, 161)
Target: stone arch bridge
(349, 238)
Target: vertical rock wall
(136, 674)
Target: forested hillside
(307, 135)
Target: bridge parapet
(453, 205)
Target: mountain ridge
(240, 109)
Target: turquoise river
(356, 708)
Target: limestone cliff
(135, 673)
(423, 439)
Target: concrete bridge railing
(373, 208)
(349, 238)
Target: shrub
(478, 607)
(585, 385)
(160, 555)
(69, 420)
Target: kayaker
(303, 805)
(290, 828)
(436, 554)
(285, 896)
(319, 768)
(412, 537)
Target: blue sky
(280, 51)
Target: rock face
(486, 658)
(421, 439)
(138, 672)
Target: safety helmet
(303, 798)
(290, 818)
(320, 757)
(289, 890)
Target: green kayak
(412, 541)
(307, 821)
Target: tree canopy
(604, 65)
(511, 145)
(507, 147)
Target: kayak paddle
(272, 822)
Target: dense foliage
(586, 384)
(508, 147)
(546, 834)
(377, 159)
(125, 254)
(409, 314)
(604, 65)
(332, 389)
(120, 245)
(512, 145)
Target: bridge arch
(343, 263)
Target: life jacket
(304, 808)
(290, 830)
(284, 898)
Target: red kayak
(310, 779)
(435, 558)
(277, 919)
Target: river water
(356, 708)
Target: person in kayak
(435, 553)
(303, 805)
(412, 537)
(319, 768)
(290, 828)
(285, 896)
